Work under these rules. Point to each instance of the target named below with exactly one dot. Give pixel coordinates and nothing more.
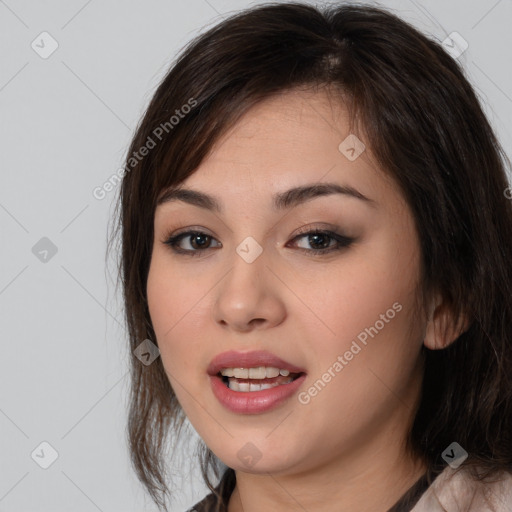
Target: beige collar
(456, 491)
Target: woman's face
(342, 318)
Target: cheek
(354, 295)
(170, 304)
(368, 318)
(371, 316)
(179, 311)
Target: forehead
(289, 140)
(286, 127)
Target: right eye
(196, 240)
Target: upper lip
(234, 359)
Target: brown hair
(426, 128)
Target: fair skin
(344, 449)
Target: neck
(374, 488)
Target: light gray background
(65, 123)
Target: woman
(316, 235)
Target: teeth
(273, 372)
(257, 373)
(241, 373)
(249, 386)
(261, 372)
(244, 386)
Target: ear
(442, 327)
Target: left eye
(320, 240)
(323, 239)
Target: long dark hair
(427, 130)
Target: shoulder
(457, 490)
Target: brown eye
(321, 241)
(195, 242)
(318, 240)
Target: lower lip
(253, 402)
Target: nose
(250, 296)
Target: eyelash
(342, 242)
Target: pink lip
(234, 359)
(253, 402)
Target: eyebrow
(281, 201)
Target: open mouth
(251, 384)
